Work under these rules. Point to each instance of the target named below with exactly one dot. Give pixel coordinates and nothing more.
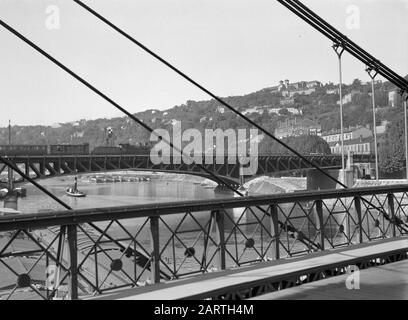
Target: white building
(333, 91)
(356, 146)
(393, 98)
(348, 134)
(293, 111)
(349, 96)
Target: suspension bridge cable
(299, 9)
(202, 88)
(370, 60)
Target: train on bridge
(141, 149)
(72, 149)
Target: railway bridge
(40, 167)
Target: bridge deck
(388, 282)
(234, 280)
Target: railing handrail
(148, 155)
(60, 218)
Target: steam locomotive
(72, 149)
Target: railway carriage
(42, 150)
(22, 150)
(72, 149)
(56, 149)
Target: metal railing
(69, 254)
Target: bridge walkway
(387, 282)
(258, 280)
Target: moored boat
(74, 193)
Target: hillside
(267, 107)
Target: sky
(232, 47)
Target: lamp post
(339, 51)
(10, 170)
(373, 73)
(406, 135)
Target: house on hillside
(333, 91)
(349, 133)
(254, 109)
(289, 90)
(347, 98)
(382, 127)
(355, 146)
(297, 127)
(394, 98)
(294, 111)
(287, 101)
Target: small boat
(8, 212)
(109, 179)
(74, 193)
(100, 180)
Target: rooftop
(345, 130)
(352, 141)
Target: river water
(158, 189)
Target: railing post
(275, 231)
(220, 237)
(357, 204)
(73, 261)
(319, 211)
(155, 249)
(390, 198)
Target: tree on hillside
(305, 144)
(284, 112)
(391, 150)
(356, 84)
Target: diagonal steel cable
(202, 88)
(310, 17)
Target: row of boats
(110, 179)
(74, 192)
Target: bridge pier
(318, 181)
(42, 167)
(10, 202)
(222, 191)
